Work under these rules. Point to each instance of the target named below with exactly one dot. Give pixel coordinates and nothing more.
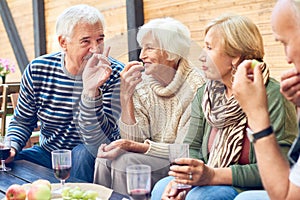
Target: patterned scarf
(227, 116)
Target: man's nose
(96, 48)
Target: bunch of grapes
(78, 193)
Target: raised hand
(290, 86)
(130, 77)
(251, 94)
(96, 72)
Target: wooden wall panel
(114, 12)
(193, 13)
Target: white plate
(103, 192)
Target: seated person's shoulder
(116, 65)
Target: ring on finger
(191, 176)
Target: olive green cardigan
(283, 118)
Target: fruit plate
(103, 192)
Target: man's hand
(290, 86)
(96, 72)
(11, 156)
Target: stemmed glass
(178, 151)
(61, 164)
(4, 152)
(138, 181)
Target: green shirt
(283, 118)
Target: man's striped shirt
(51, 95)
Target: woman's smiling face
(154, 59)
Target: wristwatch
(255, 136)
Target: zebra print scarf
(227, 116)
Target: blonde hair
(240, 36)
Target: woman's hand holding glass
(192, 172)
(177, 151)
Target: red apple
(16, 192)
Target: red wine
(4, 153)
(139, 194)
(62, 172)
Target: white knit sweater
(163, 113)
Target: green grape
(254, 63)
(65, 191)
(90, 195)
(77, 194)
(69, 193)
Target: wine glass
(178, 151)
(61, 164)
(138, 181)
(4, 152)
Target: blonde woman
(223, 160)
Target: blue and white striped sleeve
(98, 117)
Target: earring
(233, 70)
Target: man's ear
(62, 42)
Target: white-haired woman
(156, 104)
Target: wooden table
(26, 172)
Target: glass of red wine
(4, 152)
(138, 181)
(178, 151)
(61, 164)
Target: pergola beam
(135, 18)
(39, 27)
(13, 36)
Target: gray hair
(296, 8)
(171, 35)
(77, 14)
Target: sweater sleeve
(284, 120)
(98, 117)
(195, 133)
(25, 118)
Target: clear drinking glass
(178, 151)
(4, 152)
(61, 164)
(139, 181)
